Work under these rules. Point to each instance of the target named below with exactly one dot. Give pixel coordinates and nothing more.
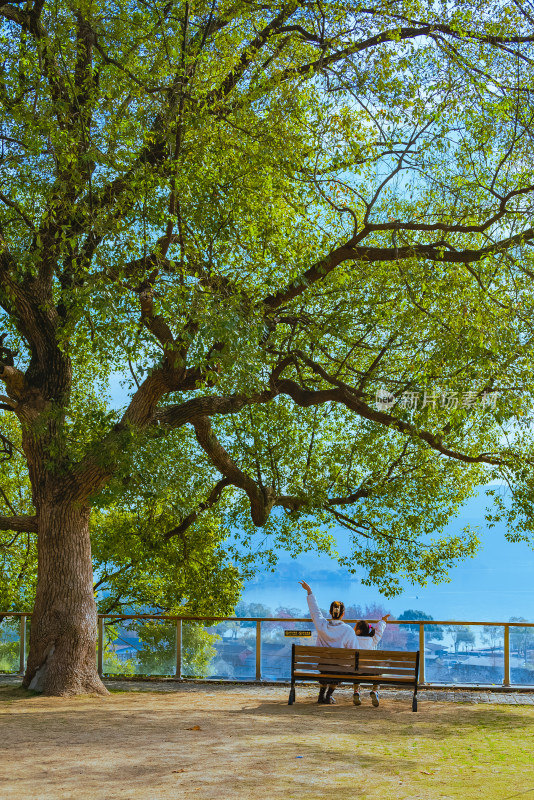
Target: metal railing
(259, 621)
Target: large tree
(266, 214)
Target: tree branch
(321, 63)
(250, 51)
(262, 498)
(18, 210)
(306, 398)
(213, 497)
(22, 523)
(437, 251)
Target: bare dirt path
(218, 742)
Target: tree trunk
(62, 659)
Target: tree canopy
(303, 231)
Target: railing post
(258, 650)
(421, 652)
(100, 654)
(178, 673)
(22, 651)
(506, 679)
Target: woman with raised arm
(330, 633)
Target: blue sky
(493, 586)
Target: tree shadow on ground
(165, 745)
(435, 720)
(11, 693)
(147, 749)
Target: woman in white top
(336, 633)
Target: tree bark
(63, 627)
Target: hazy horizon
(494, 585)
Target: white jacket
(336, 633)
(371, 642)
(331, 632)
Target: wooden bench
(335, 664)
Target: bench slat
(314, 676)
(317, 675)
(331, 652)
(346, 662)
(378, 670)
(362, 671)
(409, 655)
(362, 661)
(387, 659)
(346, 656)
(326, 668)
(379, 662)
(384, 671)
(304, 649)
(321, 660)
(364, 656)
(386, 679)
(397, 655)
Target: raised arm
(379, 630)
(318, 620)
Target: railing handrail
(175, 617)
(178, 619)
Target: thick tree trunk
(63, 628)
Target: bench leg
(414, 701)
(291, 696)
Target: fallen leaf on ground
(178, 770)
(195, 728)
(422, 771)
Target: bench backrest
(390, 663)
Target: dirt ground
(218, 742)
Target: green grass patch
(463, 752)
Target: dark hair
(362, 628)
(337, 609)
